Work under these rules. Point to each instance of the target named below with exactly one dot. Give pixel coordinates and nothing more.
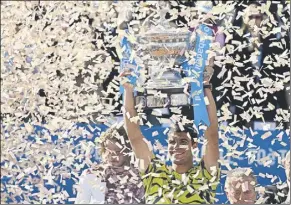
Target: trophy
(165, 46)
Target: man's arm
(212, 151)
(137, 140)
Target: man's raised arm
(211, 156)
(137, 140)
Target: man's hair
(187, 128)
(254, 3)
(114, 134)
(238, 173)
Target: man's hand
(208, 72)
(126, 84)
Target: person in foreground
(240, 186)
(115, 181)
(182, 182)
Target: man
(115, 181)
(280, 194)
(240, 186)
(182, 182)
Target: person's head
(253, 17)
(240, 186)
(115, 147)
(180, 144)
(287, 165)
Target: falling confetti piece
(266, 135)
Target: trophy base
(153, 98)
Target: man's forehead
(240, 180)
(179, 135)
(110, 141)
(112, 144)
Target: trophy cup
(165, 47)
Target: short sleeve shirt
(164, 186)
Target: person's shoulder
(90, 180)
(199, 170)
(278, 187)
(160, 164)
(87, 176)
(156, 166)
(271, 188)
(276, 193)
(92, 174)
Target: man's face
(179, 147)
(114, 155)
(241, 191)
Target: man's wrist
(128, 87)
(207, 86)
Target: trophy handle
(127, 62)
(202, 45)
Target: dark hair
(187, 128)
(254, 3)
(114, 134)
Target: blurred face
(241, 191)
(253, 19)
(114, 155)
(179, 147)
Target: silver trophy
(166, 46)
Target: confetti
(65, 50)
(266, 135)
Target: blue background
(270, 144)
